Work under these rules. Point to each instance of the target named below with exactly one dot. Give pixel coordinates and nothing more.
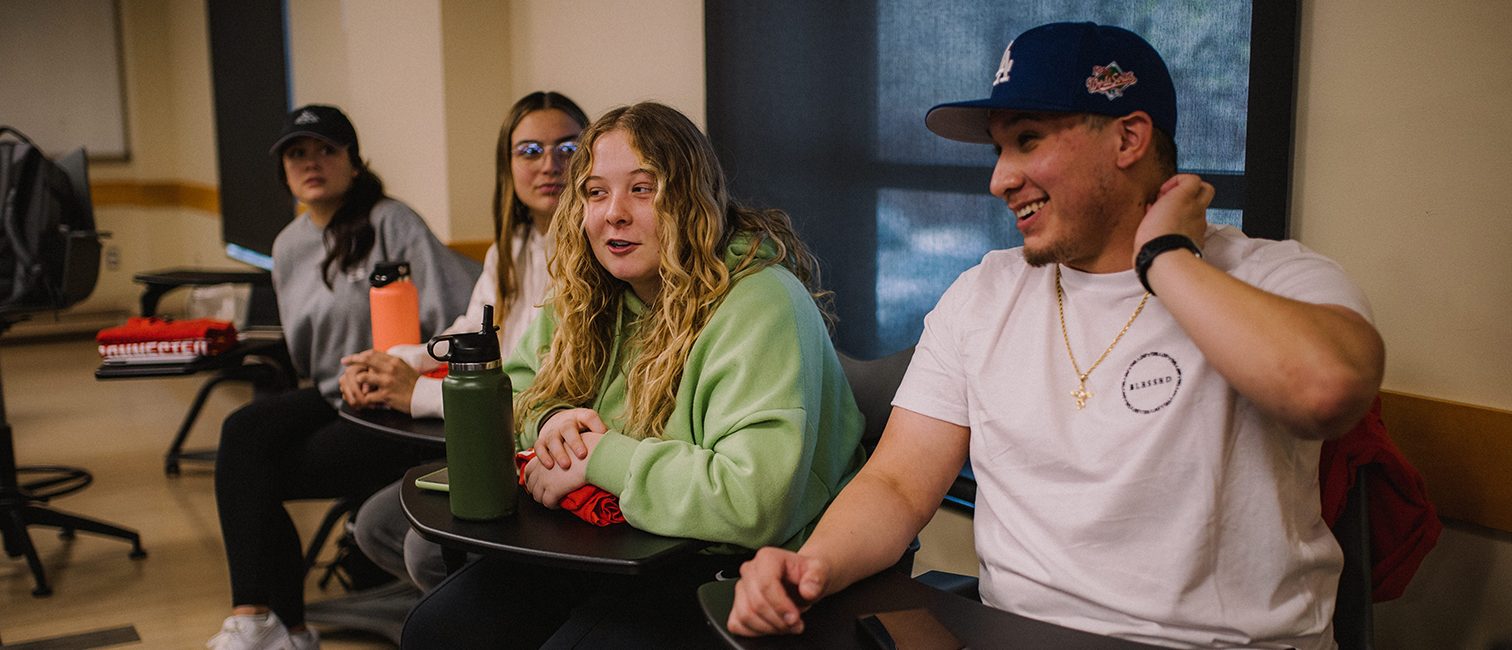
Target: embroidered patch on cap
(306, 118)
(1110, 80)
(1005, 66)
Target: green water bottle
(478, 404)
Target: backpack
(49, 248)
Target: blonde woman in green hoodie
(683, 363)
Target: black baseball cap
(317, 121)
(1068, 68)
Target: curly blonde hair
(695, 220)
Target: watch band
(1153, 248)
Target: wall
(381, 62)
(603, 54)
(427, 83)
(476, 58)
(1402, 158)
(167, 86)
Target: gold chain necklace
(1081, 393)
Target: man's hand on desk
(775, 588)
(373, 378)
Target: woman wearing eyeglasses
(535, 143)
(531, 156)
(293, 445)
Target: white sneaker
(309, 639)
(252, 632)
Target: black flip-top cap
(474, 347)
(385, 273)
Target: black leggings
(282, 448)
(495, 603)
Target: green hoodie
(765, 431)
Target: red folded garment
(590, 503)
(218, 335)
(1404, 525)
(155, 351)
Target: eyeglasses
(533, 150)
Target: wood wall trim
(476, 249)
(1464, 452)
(165, 194)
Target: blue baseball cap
(1068, 68)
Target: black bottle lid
(479, 347)
(386, 272)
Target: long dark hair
(509, 213)
(349, 236)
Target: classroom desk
(538, 535)
(161, 282)
(260, 358)
(398, 425)
(831, 623)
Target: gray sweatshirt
(322, 324)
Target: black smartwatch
(1153, 248)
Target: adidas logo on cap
(306, 117)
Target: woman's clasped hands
(373, 379)
(562, 447)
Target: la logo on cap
(1005, 66)
(306, 117)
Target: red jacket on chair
(1403, 524)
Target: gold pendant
(1081, 395)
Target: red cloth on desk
(590, 502)
(154, 336)
(1403, 524)
(221, 334)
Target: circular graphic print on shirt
(1151, 382)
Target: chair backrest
(874, 383)
(1354, 627)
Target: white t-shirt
(1169, 510)
(530, 270)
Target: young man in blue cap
(1143, 394)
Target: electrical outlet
(112, 258)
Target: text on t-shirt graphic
(1151, 382)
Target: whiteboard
(60, 75)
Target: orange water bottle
(395, 306)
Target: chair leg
(18, 542)
(259, 375)
(68, 523)
(323, 533)
(176, 448)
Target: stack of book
(154, 340)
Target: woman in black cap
(294, 445)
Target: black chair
(874, 383)
(23, 505)
(1354, 624)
